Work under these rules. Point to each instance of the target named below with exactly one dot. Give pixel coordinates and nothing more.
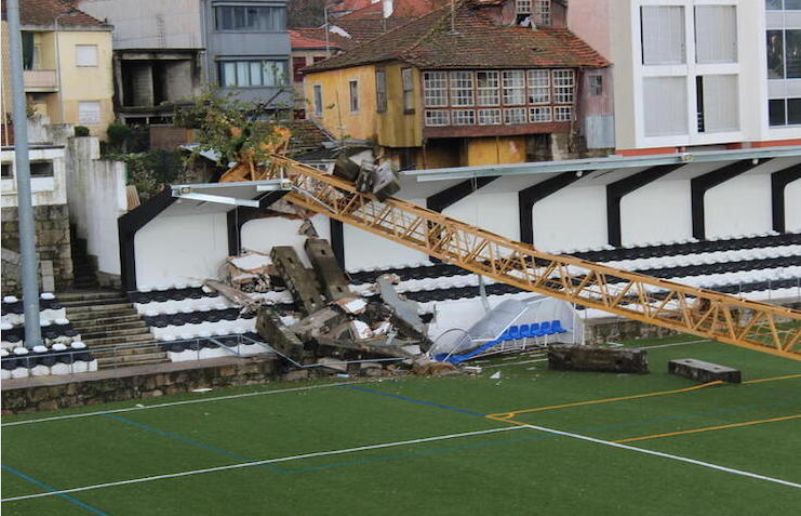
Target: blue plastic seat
(513, 333)
(535, 330)
(556, 327)
(525, 331)
(545, 328)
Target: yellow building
(431, 97)
(67, 61)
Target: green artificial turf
(521, 471)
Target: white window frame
(514, 85)
(435, 89)
(437, 118)
(490, 94)
(462, 88)
(538, 86)
(86, 60)
(490, 116)
(515, 116)
(463, 117)
(563, 113)
(540, 114)
(564, 86)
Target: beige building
(67, 61)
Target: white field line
(668, 456)
(241, 465)
(182, 402)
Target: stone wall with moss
(52, 243)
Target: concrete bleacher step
(73, 296)
(111, 362)
(89, 326)
(97, 307)
(110, 317)
(118, 340)
(110, 333)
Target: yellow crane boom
(758, 326)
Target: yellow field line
(512, 414)
(774, 379)
(709, 429)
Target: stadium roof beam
(778, 182)
(528, 197)
(701, 184)
(615, 192)
(607, 163)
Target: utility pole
(22, 171)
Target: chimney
(387, 8)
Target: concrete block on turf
(594, 358)
(704, 372)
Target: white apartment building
(698, 72)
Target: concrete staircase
(105, 318)
(83, 267)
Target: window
(318, 100)
(407, 82)
(353, 88)
(564, 86)
(489, 117)
(784, 112)
(514, 116)
(563, 113)
(715, 34)
(85, 55)
(717, 103)
(539, 86)
(253, 74)
(435, 86)
(778, 5)
(461, 88)
(437, 117)
(463, 117)
(298, 64)
(89, 112)
(542, 12)
(596, 85)
(41, 169)
(523, 6)
(665, 104)
(539, 114)
(514, 88)
(380, 91)
(6, 171)
(488, 88)
(251, 19)
(662, 33)
(775, 45)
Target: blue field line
(38, 483)
(191, 442)
(413, 400)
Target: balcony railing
(40, 80)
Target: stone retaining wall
(139, 386)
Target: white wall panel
(173, 248)
(657, 212)
(739, 207)
(263, 234)
(573, 218)
(496, 212)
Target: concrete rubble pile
(326, 325)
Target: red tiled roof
(312, 38)
(348, 5)
(477, 42)
(400, 9)
(44, 12)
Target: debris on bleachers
(248, 272)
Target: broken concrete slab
(321, 322)
(704, 372)
(330, 275)
(403, 312)
(385, 181)
(424, 366)
(298, 279)
(333, 364)
(280, 337)
(232, 294)
(569, 357)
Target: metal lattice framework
(724, 318)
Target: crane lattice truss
(712, 315)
